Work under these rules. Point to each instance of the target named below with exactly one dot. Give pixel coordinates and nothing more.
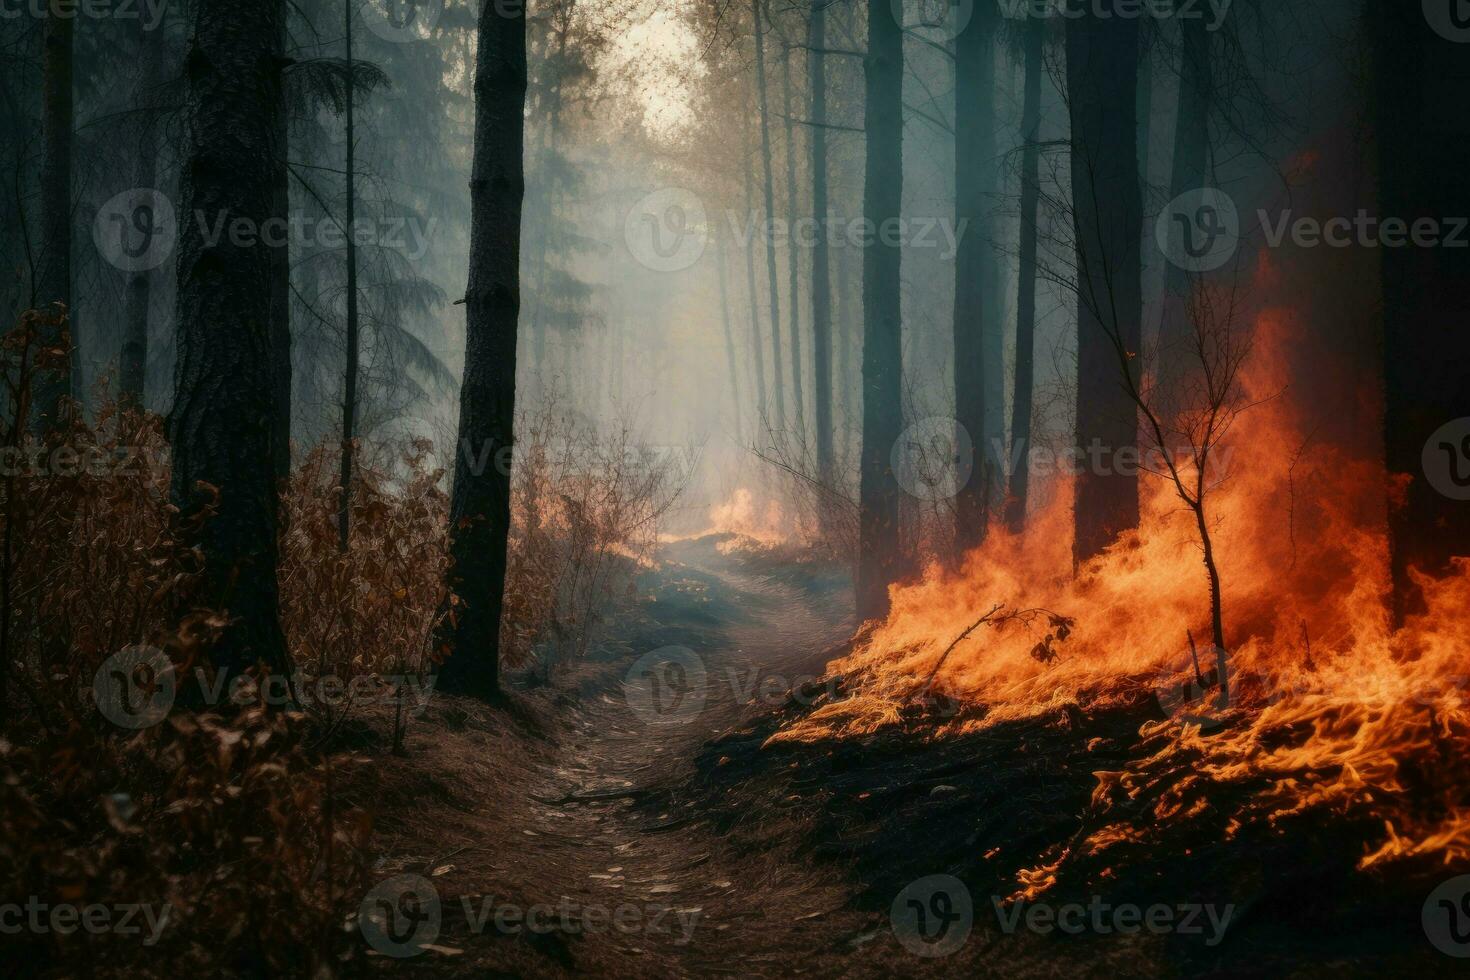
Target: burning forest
(684, 488)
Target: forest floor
(675, 846)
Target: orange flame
(1300, 536)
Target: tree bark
(480, 506)
(1189, 172)
(821, 286)
(1423, 151)
(281, 277)
(133, 358)
(793, 302)
(773, 280)
(223, 425)
(722, 266)
(758, 357)
(54, 274)
(1102, 77)
(879, 557)
(974, 124)
(1025, 383)
(349, 381)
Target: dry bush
(825, 509)
(368, 614)
(585, 516)
(229, 819)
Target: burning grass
(1330, 711)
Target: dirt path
(587, 845)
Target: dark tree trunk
(821, 286)
(133, 359)
(772, 279)
(1102, 78)
(723, 261)
(974, 159)
(846, 341)
(1189, 172)
(1023, 399)
(879, 557)
(758, 357)
(1424, 152)
(543, 204)
(281, 279)
(54, 272)
(479, 518)
(798, 387)
(223, 425)
(349, 381)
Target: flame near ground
(1330, 708)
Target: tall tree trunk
(54, 284)
(1102, 78)
(880, 558)
(349, 382)
(722, 259)
(793, 301)
(1022, 401)
(1189, 172)
(542, 205)
(133, 359)
(772, 279)
(1423, 154)
(975, 178)
(758, 357)
(846, 341)
(821, 287)
(281, 277)
(223, 427)
(479, 517)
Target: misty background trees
(871, 255)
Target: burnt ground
(726, 858)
